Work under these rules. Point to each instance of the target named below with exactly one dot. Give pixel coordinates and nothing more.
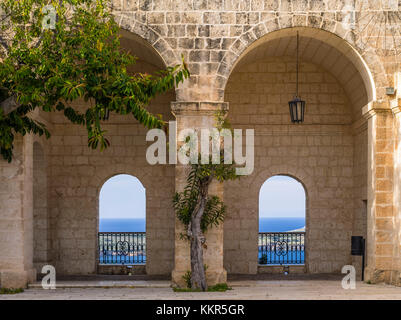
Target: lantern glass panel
(297, 110)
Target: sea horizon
(122, 225)
(266, 224)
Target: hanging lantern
(297, 105)
(297, 110)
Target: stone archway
(151, 36)
(366, 62)
(321, 152)
(76, 180)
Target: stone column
(197, 115)
(16, 217)
(381, 211)
(396, 109)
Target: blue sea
(139, 225)
(122, 225)
(280, 224)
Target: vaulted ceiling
(340, 63)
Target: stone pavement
(242, 289)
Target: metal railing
(281, 248)
(122, 247)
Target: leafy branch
(80, 58)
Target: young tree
(198, 210)
(54, 52)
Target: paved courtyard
(241, 289)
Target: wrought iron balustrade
(281, 248)
(122, 247)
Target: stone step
(106, 284)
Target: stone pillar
(197, 115)
(396, 109)
(16, 217)
(381, 228)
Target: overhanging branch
(9, 105)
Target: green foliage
(222, 121)
(3, 94)
(185, 290)
(263, 259)
(185, 202)
(80, 58)
(220, 287)
(11, 290)
(187, 278)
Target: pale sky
(281, 196)
(123, 196)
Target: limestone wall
(397, 201)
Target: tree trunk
(198, 277)
(9, 105)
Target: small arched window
(122, 221)
(122, 205)
(282, 208)
(281, 205)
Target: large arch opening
(330, 147)
(282, 221)
(282, 205)
(122, 205)
(122, 221)
(76, 180)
